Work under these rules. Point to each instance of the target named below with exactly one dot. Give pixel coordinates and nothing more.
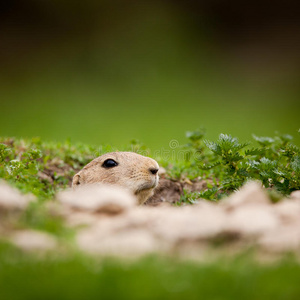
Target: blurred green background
(107, 72)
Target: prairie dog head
(126, 169)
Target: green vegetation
(229, 164)
(43, 168)
(75, 277)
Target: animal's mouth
(147, 186)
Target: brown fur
(133, 173)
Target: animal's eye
(109, 163)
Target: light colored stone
(288, 210)
(81, 218)
(31, 240)
(251, 193)
(252, 220)
(283, 239)
(126, 243)
(189, 223)
(142, 230)
(136, 218)
(295, 194)
(12, 199)
(98, 198)
(139, 217)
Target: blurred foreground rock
(31, 240)
(246, 219)
(107, 222)
(98, 198)
(11, 199)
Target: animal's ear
(76, 181)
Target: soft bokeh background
(111, 71)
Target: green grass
(76, 277)
(148, 74)
(154, 110)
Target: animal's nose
(153, 170)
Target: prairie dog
(130, 170)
